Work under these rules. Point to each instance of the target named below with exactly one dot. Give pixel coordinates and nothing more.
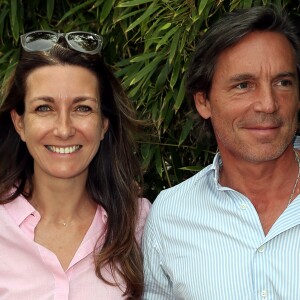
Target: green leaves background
(149, 43)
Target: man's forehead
(258, 49)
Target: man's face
(254, 98)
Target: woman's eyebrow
(52, 100)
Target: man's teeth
(63, 150)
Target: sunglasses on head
(42, 40)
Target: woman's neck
(61, 199)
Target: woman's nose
(64, 127)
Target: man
(232, 231)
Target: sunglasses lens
(83, 42)
(40, 41)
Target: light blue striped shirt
(203, 241)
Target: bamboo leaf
(20, 14)
(133, 3)
(106, 9)
(50, 9)
(202, 6)
(14, 19)
(137, 89)
(123, 62)
(6, 56)
(247, 3)
(162, 77)
(96, 4)
(175, 72)
(166, 38)
(75, 9)
(186, 130)
(164, 108)
(180, 96)
(154, 110)
(143, 57)
(166, 26)
(234, 4)
(5, 73)
(192, 168)
(174, 45)
(151, 10)
(183, 39)
(158, 161)
(143, 72)
(13, 12)
(153, 35)
(145, 149)
(45, 25)
(149, 155)
(128, 15)
(4, 13)
(145, 99)
(130, 69)
(168, 118)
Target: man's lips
(265, 123)
(261, 127)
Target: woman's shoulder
(144, 208)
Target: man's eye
(243, 85)
(285, 82)
(43, 108)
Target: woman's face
(62, 125)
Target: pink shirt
(29, 271)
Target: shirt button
(264, 294)
(261, 249)
(243, 206)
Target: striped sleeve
(157, 283)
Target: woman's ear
(104, 127)
(202, 105)
(18, 123)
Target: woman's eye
(83, 109)
(43, 108)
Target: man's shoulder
(183, 191)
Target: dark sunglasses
(43, 40)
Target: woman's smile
(63, 150)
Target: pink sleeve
(145, 206)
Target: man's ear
(18, 123)
(202, 105)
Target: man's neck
(268, 185)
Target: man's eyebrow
(287, 74)
(241, 77)
(248, 76)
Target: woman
(71, 217)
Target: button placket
(243, 206)
(264, 294)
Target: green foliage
(149, 43)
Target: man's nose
(266, 100)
